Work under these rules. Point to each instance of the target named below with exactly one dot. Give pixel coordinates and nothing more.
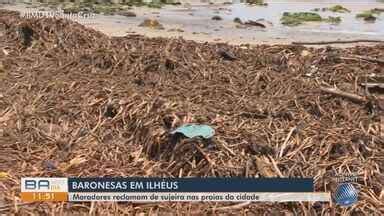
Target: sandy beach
(194, 22)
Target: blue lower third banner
(171, 189)
(190, 184)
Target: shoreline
(195, 24)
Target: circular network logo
(346, 194)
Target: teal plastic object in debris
(195, 130)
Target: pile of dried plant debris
(74, 102)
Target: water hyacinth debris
(368, 16)
(333, 20)
(297, 18)
(127, 13)
(257, 2)
(152, 23)
(377, 10)
(337, 9)
(270, 119)
(255, 23)
(217, 18)
(237, 20)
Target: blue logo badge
(346, 194)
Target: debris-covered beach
(75, 101)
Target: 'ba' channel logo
(44, 185)
(346, 194)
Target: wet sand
(194, 22)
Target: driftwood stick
(374, 60)
(337, 42)
(205, 155)
(353, 97)
(382, 134)
(373, 85)
(286, 141)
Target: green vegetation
(297, 18)
(377, 11)
(154, 5)
(256, 2)
(294, 19)
(338, 9)
(335, 9)
(333, 20)
(108, 8)
(368, 16)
